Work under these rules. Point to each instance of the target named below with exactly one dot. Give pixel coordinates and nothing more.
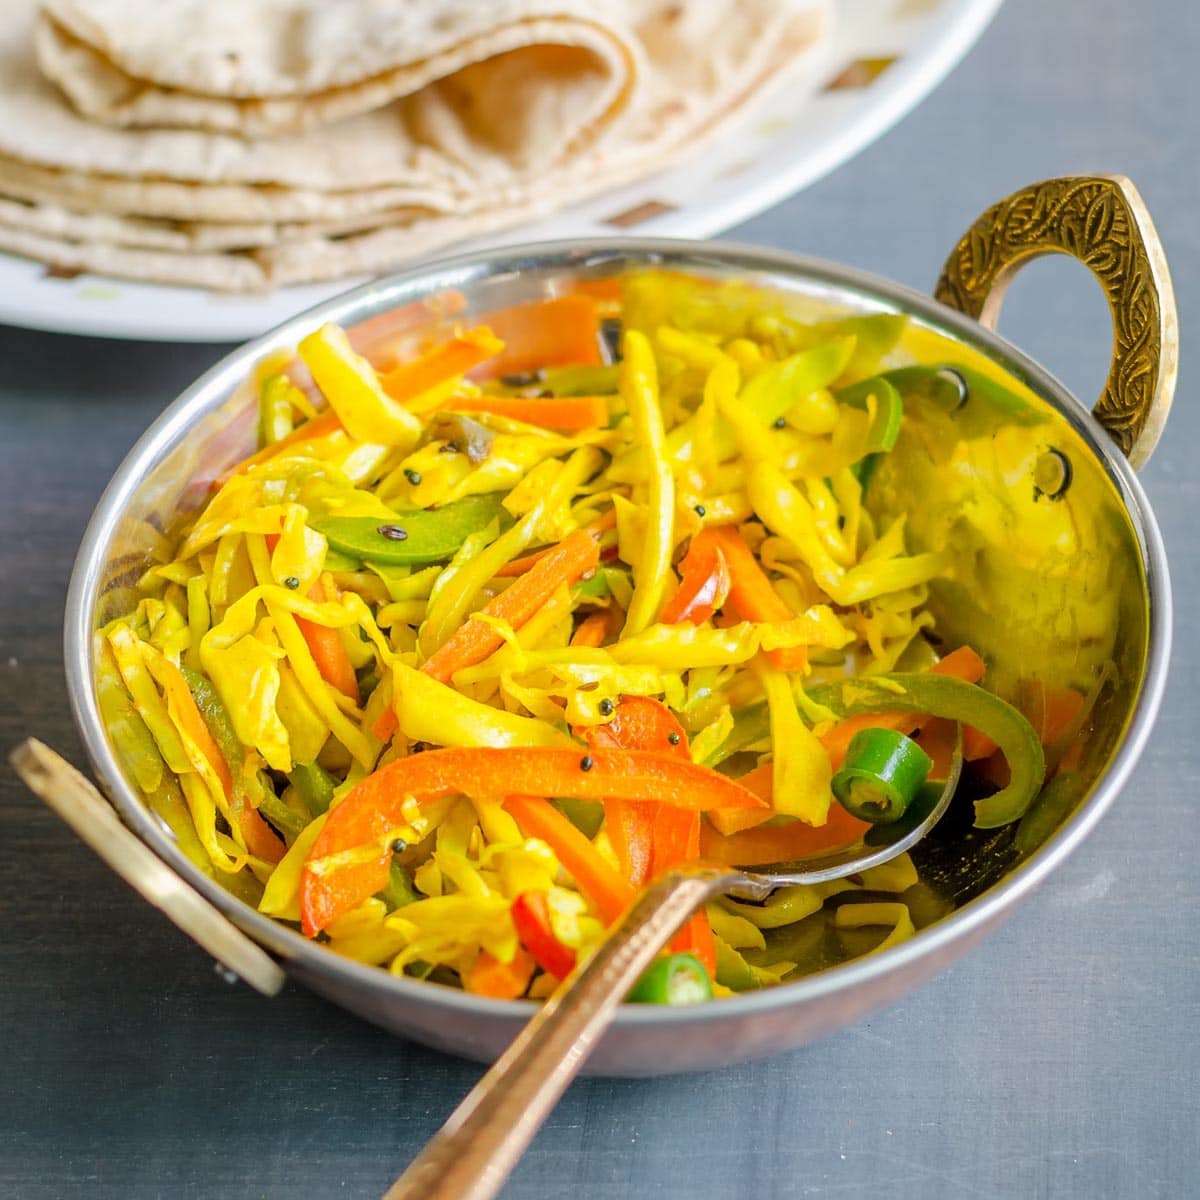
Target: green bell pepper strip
(217, 718)
(1051, 808)
(314, 785)
(885, 428)
(936, 383)
(289, 822)
(881, 775)
(400, 890)
(424, 536)
(674, 979)
(939, 696)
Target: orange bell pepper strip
(780, 843)
(375, 806)
(473, 641)
(260, 839)
(445, 361)
(705, 584)
(544, 333)
(652, 838)
(489, 976)
(754, 597)
(566, 413)
(531, 916)
(639, 723)
(677, 841)
(597, 880)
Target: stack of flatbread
(248, 144)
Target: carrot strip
(260, 839)
(544, 333)
(519, 566)
(568, 413)
(328, 650)
(598, 881)
(453, 357)
(593, 629)
(322, 425)
(939, 738)
(500, 980)
(754, 597)
(475, 640)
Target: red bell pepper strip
(489, 976)
(705, 585)
(531, 916)
(544, 333)
(567, 413)
(519, 566)
(597, 880)
(375, 806)
(473, 641)
(754, 597)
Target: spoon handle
(471, 1156)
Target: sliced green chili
(424, 536)
(939, 696)
(882, 773)
(314, 785)
(675, 979)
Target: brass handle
(1102, 221)
(471, 1156)
(52, 779)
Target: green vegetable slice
(424, 536)
(675, 979)
(882, 773)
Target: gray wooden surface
(1061, 1059)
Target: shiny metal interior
(1075, 588)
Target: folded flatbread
(413, 124)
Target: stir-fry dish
(501, 621)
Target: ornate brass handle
(1102, 221)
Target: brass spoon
(471, 1156)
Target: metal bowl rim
(460, 271)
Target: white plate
(884, 58)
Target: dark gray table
(1060, 1060)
